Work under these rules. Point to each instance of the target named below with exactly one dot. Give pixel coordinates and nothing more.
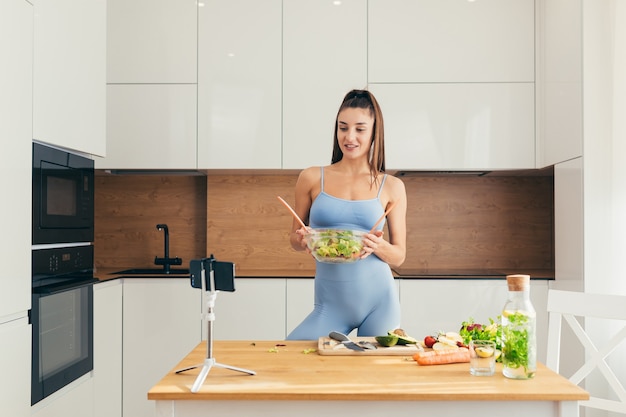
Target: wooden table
(291, 380)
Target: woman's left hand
(371, 241)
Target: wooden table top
(293, 370)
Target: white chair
(569, 306)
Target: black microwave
(63, 196)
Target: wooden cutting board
(328, 346)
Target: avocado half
(403, 338)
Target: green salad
(336, 244)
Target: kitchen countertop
(426, 273)
(108, 273)
(286, 372)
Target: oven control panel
(52, 262)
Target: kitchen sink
(153, 271)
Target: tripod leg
(189, 368)
(202, 376)
(234, 368)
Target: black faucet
(166, 261)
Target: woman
(352, 193)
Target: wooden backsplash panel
(480, 223)
(246, 224)
(128, 208)
(453, 222)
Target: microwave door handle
(55, 289)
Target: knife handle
(340, 337)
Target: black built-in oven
(62, 266)
(61, 317)
(63, 196)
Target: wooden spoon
(383, 216)
(293, 212)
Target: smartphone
(223, 274)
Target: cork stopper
(518, 282)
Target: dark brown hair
(363, 99)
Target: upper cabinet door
(150, 126)
(475, 126)
(69, 75)
(239, 84)
(152, 42)
(451, 41)
(324, 56)
(560, 82)
(16, 128)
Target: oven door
(62, 326)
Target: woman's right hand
(301, 232)
(298, 242)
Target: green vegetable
(515, 337)
(476, 331)
(337, 244)
(403, 338)
(388, 340)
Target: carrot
(441, 357)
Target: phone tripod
(210, 361)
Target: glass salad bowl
(335, 246)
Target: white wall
(604, 166)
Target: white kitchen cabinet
(559, 82)
(239, 84)
(569, 225)
(161, 325)
(150, 126)
(69, 76)
(15, 343)
(74, 400)
(107, 349)
(450, 41)
(16, 44)
(300, 298)
(476, 126)
(254, 311)
(324, 56)
(152, 42)
(439, 304)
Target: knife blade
(345, 340)
(367, 345)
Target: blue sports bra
(328, 212)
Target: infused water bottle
(519, 324)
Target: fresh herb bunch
(516, 350)
(471, 330)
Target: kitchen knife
(345, 340)
(367, 345)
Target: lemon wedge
(484, 352)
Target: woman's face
(354, 132)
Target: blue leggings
(361, 295)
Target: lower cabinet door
(255, 311)
(107, 349)
(161, 325)
(15, 339)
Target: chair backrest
(568, 306)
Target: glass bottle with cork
(519, 323)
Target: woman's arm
(392, 251)
(304, 199)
